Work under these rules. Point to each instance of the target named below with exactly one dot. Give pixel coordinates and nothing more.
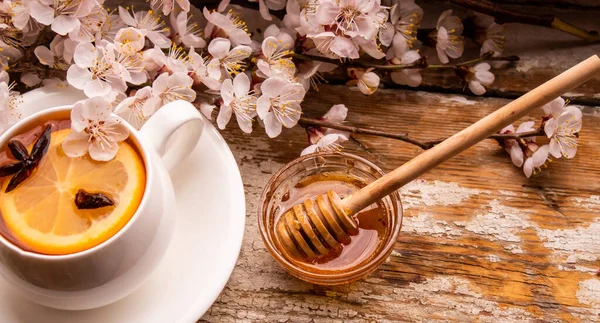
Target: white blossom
(401, 31)
(167, 88)
(59, 55)
(62, 15)
(564, 132)
(94, 130)
(449, 39)
(230, 24)
(536, 161)
(135, 109)
(310, 73)
(513, 147)
(408, 76)
(489, 34)
(96, 70)
(166, 6)
(279, 104)
(238, 100)
(229, 60)
(328, 142)
(149, 24)
(275, 59)
(350, 17)
(479, 76)
(186, 33)
(203, 72)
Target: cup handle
(174, 131)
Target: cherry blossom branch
(421, 63)
(356, 130)
(404, 136)
(503, 15)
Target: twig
(242, 3)
(503, 15)
(356, 130)
(517, 136)
(421, 63)
(404, 136)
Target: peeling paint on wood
(479, 242)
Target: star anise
(26, 162)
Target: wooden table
(479, 241)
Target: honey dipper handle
(473, 134)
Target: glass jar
(340, 167)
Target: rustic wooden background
(479, 242)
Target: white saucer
(204, 250)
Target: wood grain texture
(479, 242)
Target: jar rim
(342, 276)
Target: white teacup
(111, 270)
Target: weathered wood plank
(480, 242)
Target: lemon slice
(41, 212)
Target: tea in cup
(78, 233)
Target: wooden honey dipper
(317, 226)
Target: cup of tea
(76, 233)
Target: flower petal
(76, 144)
(337, 113)
(224, 116)
(263, 105)
(78, 76)
(43, 14)
(219, 47)
(44, 55)
(476, 88)
(244, 124)
(272, 126)
(526, 126)
(241, 85)
(64, 24)
(327, 13)
(554, 148)
(103, 151)
(344, 47)
(308, 150)
(516, 155)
